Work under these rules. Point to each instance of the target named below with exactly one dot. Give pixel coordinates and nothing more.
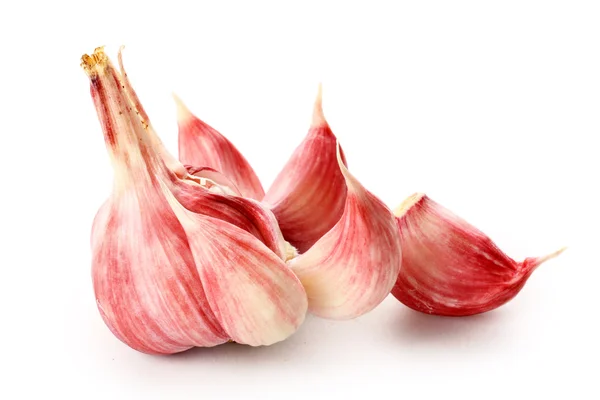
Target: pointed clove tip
(183, 113)
(536, 262)
(120, 58)
(318, 118)
(550, 256)
(408, 203)
(351, 181)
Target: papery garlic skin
(451, 268)
(167, 279)
(353, 267)
(309, 194)
(202, 145)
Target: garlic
(451, 268)
(309, 194)
(188, 183)
(353, 267)
(202, 145)
(167, 279)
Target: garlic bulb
(451, 268)
(167, 279)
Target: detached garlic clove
(309, 194)
(202, 145)
(451, 268)
(167, 279)
(353, 267)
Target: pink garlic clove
(202, 145)
(257, 299)
(450, 267)
(309, 194)
(353, 267)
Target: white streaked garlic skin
(353, 267)
(451, 268)
(167, 279)
(309, 194)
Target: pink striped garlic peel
(309, 194)
(352, 268)
(165, 278)
(450, 267)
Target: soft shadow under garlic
(414, 327)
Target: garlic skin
(309, 194)
(353, 267)
(167, 279)
(202, 145)
(451, 268)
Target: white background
(492, 108)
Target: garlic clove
(309, 194)
(450, 267)
(353, 267)
(146, 284)
(257, 299)
(202, 145)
